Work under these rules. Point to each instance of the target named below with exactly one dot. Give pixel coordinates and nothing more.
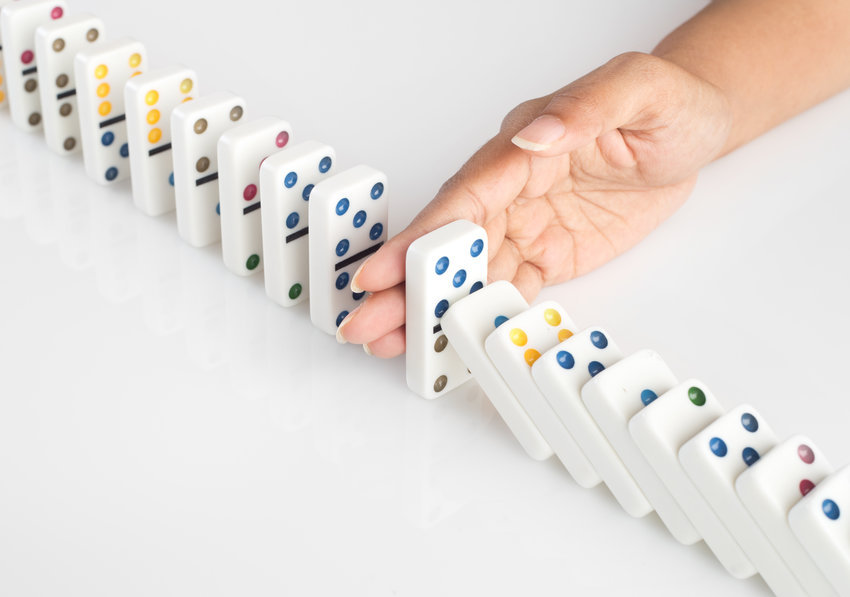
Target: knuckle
(579, 104)
(631, 60)
(468, 204)
(476, 210)
(522, 115)
(640, 64)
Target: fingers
(615, 95)
(376, 317)
(528, 280)
(504, 264)
(479, 192)
(388, 346)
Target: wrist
(719, 104)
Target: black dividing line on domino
(205, 179)
(357, 257)
(65, 94)
(160, 149)
(112, 121)
(296, 235)
(29, 71)
(251, 208)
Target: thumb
(615, 95)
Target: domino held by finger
(440, 268)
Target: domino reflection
(116, 245)
(161, 274)
(42, 193)
(354, 431)
(15, 166)
(74, 229)
(205, 306)
(246, 337)
(71, 212)
(444, 440)
(290, 367)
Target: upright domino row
(229, 179)
(761, 506)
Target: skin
(578, 177)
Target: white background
(165, 430)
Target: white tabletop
(166, 430)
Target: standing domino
(821, 521)
(195, 130)
(348, 223)
(713, 459)
(771, 487)
(513, 347)
(287, 180)
(560, 374)
(467, 324)
(613, 397)
(56, 45)
(18, 22)
(441, 267)
(241, 151)
(149, 100)
(101, 73)
(659, 430)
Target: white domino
(821, 522)
(149, 100)
(348, 223)
(56, 45)
(771, 487)
(612, 398)
(659, 430)
(195, 129)
(241, 151)
(467, 324)
(101, 72)
(441, 267)
(713, 459)
(513, 347)
(287, 180)
(18, 23)
(560, 373)
(3, 96)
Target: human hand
(572, 180)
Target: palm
(575, 213)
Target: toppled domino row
(658, 444)
(237, 181)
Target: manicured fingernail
(540, 134)
(366, 350)
(354, 287)
(340, 337)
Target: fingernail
(540, 134)
(354, 287)
(339, 331)
(366, 350)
